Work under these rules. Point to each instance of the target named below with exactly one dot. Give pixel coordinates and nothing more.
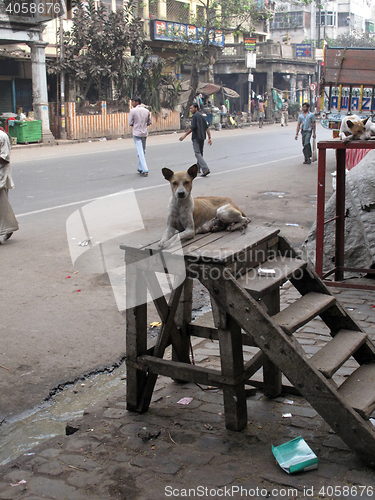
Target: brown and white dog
(188, 216)
(353, 128)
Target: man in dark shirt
(198, 129)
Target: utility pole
(62, 82)
(319, 22)
(250, 77)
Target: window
(288, 20)
(331, 18)
(153, 9)
(343, 19)
(178, 11)
(326, 18)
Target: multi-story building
(297, 22)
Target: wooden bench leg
(163, 340)
(136, 331)
(232, 369)
(272, 376)
(182, 320)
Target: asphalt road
(57, 323)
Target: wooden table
(213, 253)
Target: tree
(97, 48)
(352, 40)
(108, 52)
(213, 18)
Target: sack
(314, 153)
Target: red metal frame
(339, 268)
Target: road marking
(57, 207)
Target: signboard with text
(303, 50)
(250, 43)
(251, 60)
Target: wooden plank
(358, 390)
(284, 268)
(197, 241)
(334, 354)
(271, 374)
(283, 350)
(350, 77)
(139, 239)
(254, 364)
(179, 345)
(302, 311)
(231, 244)
(204, 327)
(182, 320)
(337, 144)
(161, 344)
(182, 371)
(136, 333)
(232, 368)
(336, 318)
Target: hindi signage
(303, 50)
(250, 43)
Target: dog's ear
(350, 124)
(193, 171)
(168, 173)
(365, 120)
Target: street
(56, 323)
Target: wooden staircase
(253, 302)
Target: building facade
(294, 23)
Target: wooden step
(284, 267)
(204, 327)
(334, 354)
(358, 390)
(302, 311)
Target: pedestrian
(252, 108)
(284, 113)
(227, 105)
(199, 100)
(8, 221)
(140, 119)
(223, 112)
(306, 122)
(261, 113)
(198, 129)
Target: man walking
(198, 129)
(306, 122)
(140, 119)
(8, 222)
(284, 113)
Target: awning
(205, 88)
(230, 93)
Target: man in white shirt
(140, 119)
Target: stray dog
(370, 129)
(353, 128)
(188, 216)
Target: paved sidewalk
(173, 448)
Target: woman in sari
(8, 221)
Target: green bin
(26, 131)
